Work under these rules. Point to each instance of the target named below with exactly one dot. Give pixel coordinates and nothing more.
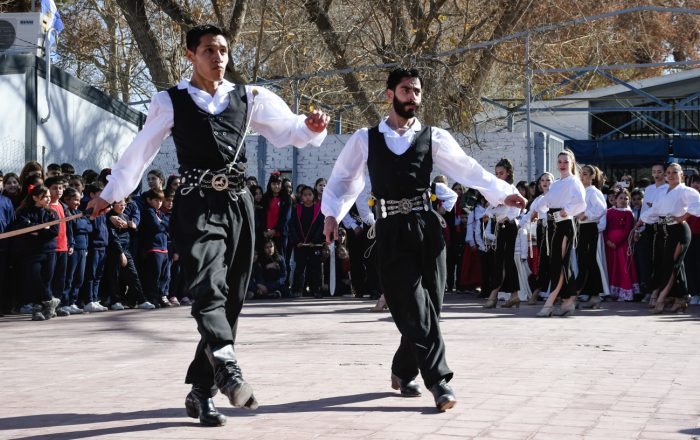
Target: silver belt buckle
(219, 182)
(405, 206)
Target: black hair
(195, 34)
(102, 177)
(69, 193)
(171, 178)
(694, 178)
(94, 187)
(506, 164)
(54, 167)
(158, 173)
(400, 73)
(637, 192)
(51, 181)
(38, 190)
(168, 192)
(67, 168)
(306, 187)
(89, 176)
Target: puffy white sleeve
(347, 178)
(450, 158)
(595, 205)
(692, 200)
(470, 228)
(133, 162)
(576, 203)
(271, 117)
(363, 202)
(447, 195)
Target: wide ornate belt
(667, 221)
(388, 207)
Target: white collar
(224, 87)
(384, 127)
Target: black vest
(396, 177)
(207, 141)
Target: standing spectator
(544, 236)
(80, 228)
(621, 270)
(97, 251)
(7, 217)
(277, 205)
(67, 169)
(172, 184)
(319, 187)
(11, 189)
(36, 252)
(153, 239)
(58, 284)
(173, 286)
(30, 167)
(120, 270)
(644, 248)
(53, 170)
(306, 236)
(692, 258)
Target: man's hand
(317, 121)
(117, 222)
(330, 229)
(99, 206)
(516, 201)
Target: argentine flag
(50, 15)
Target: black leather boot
(408, 388)
(199, 404)
(229, 379)
(444, 395)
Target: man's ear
(389, 95)
(189, 54)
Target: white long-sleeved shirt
(676, 202)
(348, 178)
(501, 211)
(596, 207)
(541, 212)
(269, 115)
(651, 192)
(475, 228)
(567, 194)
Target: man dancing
(399, 154)
(212, 221)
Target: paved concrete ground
(320, 369)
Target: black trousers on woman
(558, 260)
(589, 280)
(504, 274)
(214, 236)
(667, 238)
(412, 272)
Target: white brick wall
(313, 162)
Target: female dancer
(565, 200)
(669, 212)
(505, 274)
(590, 280)
(543, 236)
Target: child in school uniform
(306, 236)
(173, 287)
(56, 186)
(153, 240)
(621, 270)
(36, 252)
(120, 269)
(7, 216)
(80, 229)
(273, 271)
(97, 252)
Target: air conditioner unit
(20, 32)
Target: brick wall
(313, 162)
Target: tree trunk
(135, 14)
(319, 16)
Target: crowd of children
(126, 259)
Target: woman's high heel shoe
(658, 307)
(652, 301)
(515, 301)
(491, 303)
(592, 303)
(380, 306)
(534, 297)
(679, 305)
(546, 312)
(565, 310)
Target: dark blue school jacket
(38, 242)
(7, 216)
(81, 229)
(99, 237)
(153, 231)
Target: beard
(400, 108)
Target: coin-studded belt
(225, 179)
(667, 221)
(387, 207)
